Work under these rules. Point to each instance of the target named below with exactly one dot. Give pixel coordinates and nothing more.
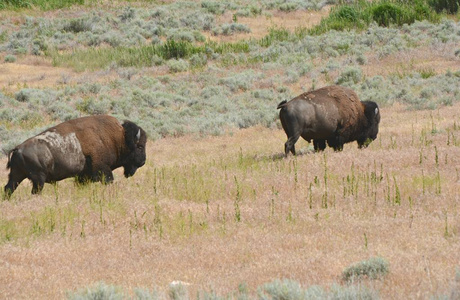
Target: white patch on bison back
(69, 146)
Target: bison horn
(376, 110)
(138, 135)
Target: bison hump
(349, 106)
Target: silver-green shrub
(177, 65)
(351, 75)
(10, 58)
(98, 292)
(281, 289)
(373, 268)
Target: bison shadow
(280, 156)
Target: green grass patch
(98, 58)
(387, 13)
(46, 5)
(41, 4)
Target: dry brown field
(305, 218)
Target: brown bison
(333, 114)
(87, 148)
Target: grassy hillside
(216, 206)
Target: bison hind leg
(10, 187)
(289, 146)
(15, 178)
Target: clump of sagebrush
(99, 291)
(178, 65)
(215, 7)
(290, 289)
(353, 291)
(350, 75)
(178, 291)
(146, 294)
(240, 81)
(282, 289)
(230, 29)
(10, 58)
(77, 25)
(373, 268)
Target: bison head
(372, 113)
(135, 140)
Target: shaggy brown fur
(333, 114)
(351, 110)
(88, 148)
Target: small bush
(10, 58)
(230, 29)
(98, 292)
(352, 292)
(77, 25)
(350, 75)
(427, 73)
(282, 289)
(178, 291)
(288, 7)
(198, 60)
(214, 7)
(373, 268)
(127, 14)
(176, 66)
(385, 14)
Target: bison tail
(9, 154)
(281, 104)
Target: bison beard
(87, 148)
(331, 114)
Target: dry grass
(436, 59)
(177, 219)
(260, 25)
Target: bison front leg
(336, 143)
(104, 175)
(38, 182)
(319, 145)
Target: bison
(331, 114)
(87, 148)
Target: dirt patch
(424, 59)
(261, 25)
(35, 73)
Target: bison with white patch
(87, 148)
(331, 114)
